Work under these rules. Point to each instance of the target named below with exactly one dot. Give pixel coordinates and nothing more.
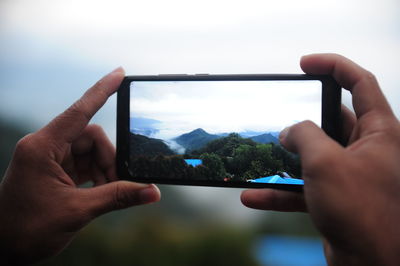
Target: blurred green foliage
(153, 240)
(286, 223)
(166, 233)
(135, 238)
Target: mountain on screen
(142, 145)
(265, 138)
(198, 138)
(251, 133)
(195, 139)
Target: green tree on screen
(216, 169)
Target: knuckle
(95, 128)
(123, 198)
(296, 129)
(370, 78)
(336, 56)
(26, 145)
(306, 123)
(99, 89)
(77, 111)
(98, 84)
(320, 162)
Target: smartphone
(219, 130)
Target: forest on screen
(230, 158)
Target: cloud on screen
(226, 106)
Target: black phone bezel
(331, 122)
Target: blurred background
(51, 51)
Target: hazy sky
(225, 106)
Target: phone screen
(224, 131)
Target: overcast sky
(225, 106)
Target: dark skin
(42, 208)
(352, 192)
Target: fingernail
(283, 134)
(149, 194)
(118, 69)
(111, 81)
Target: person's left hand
(41, 206)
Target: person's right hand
(352, 193)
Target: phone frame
(331, 120)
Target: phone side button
(172, 75)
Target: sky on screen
(223, 106)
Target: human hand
(41, 206)
(352, 192)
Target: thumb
(316, 149)
(119, 195)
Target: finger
(88, 172)
(118, 195)
(94, 143)
(98, 176)
(328, 252)
(348, 122)
(68, 125)
(82, 169)
(367, 95)
(275, 200)
(315, 148)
